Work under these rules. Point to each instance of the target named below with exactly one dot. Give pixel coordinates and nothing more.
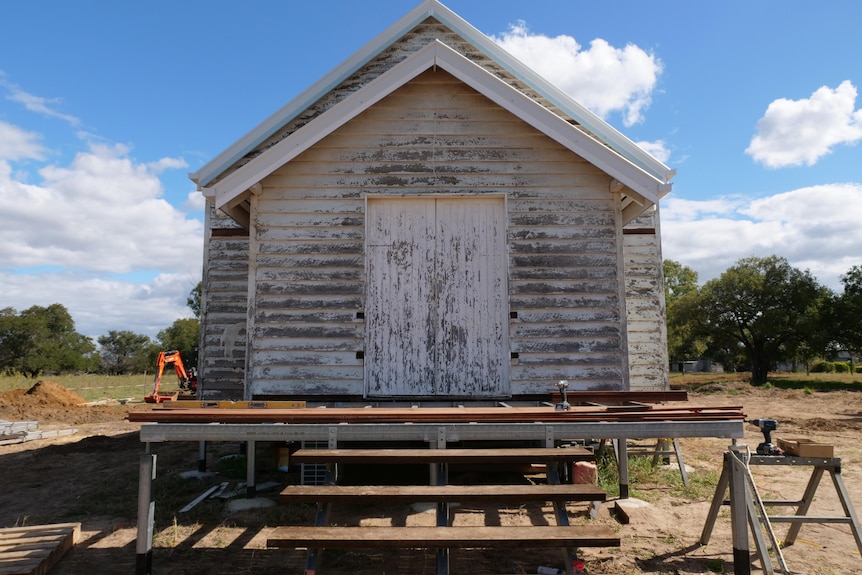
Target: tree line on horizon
(43, 340)
(759, 313)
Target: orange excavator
(188, 381)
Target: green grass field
(93, 387)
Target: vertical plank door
(437, 307)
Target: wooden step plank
(33, 550)
(419, 456)
(434, 493)
(443, 537)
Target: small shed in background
(431, 220)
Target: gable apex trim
(431, 8)
(437, 54)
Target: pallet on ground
(33, 550)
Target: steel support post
(622, 450)
(739, 515)
(202, 456)
(250, 486)
(146, 513)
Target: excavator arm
(187, 380)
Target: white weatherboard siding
(436, 313)
(224, 308)
(434, 137)
(645, 305)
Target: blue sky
(106, 106)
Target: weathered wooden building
(431, 220)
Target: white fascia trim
(438, 54)
(312, 94)
(253, 172)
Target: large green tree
(764, 309)
(126, 352)
(680, 291)
(848, 312)
(43, 340)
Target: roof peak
(431, 8)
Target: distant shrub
(823, 367)
(841, 367)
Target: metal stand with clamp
(748, 509)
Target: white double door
(436, 302)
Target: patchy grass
(650, 482)
(779, 380)
(90, 387)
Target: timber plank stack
(334, 415)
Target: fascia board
(312, 94)
(242, 179)
(550, 124)
(438, 54)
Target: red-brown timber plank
(400, 456)
(435, 494)
(435, 415)
(443, 537)
(621, 396)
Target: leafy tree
(43, 340)
(182, 336)
(848, 312)
(680, 292)
(764, 309)
(194, 299)
(126, 352)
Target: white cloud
(37, 104)
(796, 132)
(603, 78)
(195, 202)
(805, 226)
(657, 150)
(18, 144)
(104, 212)
(100, 305)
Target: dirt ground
(91, 477)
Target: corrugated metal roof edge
(431, 8)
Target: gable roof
(594, 125)
(645, 187)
